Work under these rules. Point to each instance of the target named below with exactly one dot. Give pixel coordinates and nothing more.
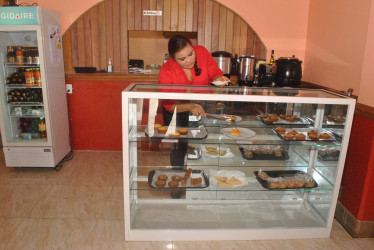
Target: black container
(288, 71)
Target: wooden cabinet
(102, 31)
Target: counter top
(109, 77)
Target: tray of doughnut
(332, 120)
(285, 179)
(179, 132)
(178, 179)
(264, 152)
(328, 153)
(282, 119)
(304, 134)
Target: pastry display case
(264, 163)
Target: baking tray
(197, 154)
(327, 122)
(153, 177)
(193, 133)
(301, 121)
(265, 156)
(329, 156)
(304, 131)
(282, 173)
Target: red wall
(358, 178)
(96, 114)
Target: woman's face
(185, 57)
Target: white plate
(244, 133)
(220, 83)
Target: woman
(188, 65)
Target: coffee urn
(246, 70)
(223, 60)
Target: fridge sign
(19, 16)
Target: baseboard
(356, 228)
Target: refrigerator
(33, 102)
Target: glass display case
(265, 163)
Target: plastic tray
(282, 173)
(153, 177)
(329, 156)
(265, 156)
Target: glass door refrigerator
(33, 104)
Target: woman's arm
(194, 109)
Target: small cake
(324, 136)
(234, 132)
(280, 130)
(283, 184)
(262, 175)
(196, 181)
(291, 183)
(295, 117)
(175, 134)
(163, 177)
(288, 136)
(188, 173)
(160, 183)
(173, 183)
(312, 132)
(283, 116)
(299, 184)
(268, 120)
(182, 131)
(248, 154)
(294, 132)
(309, 184)
(162, 130)
(263, 116)
(273, 184)
(289, 119)
(176, 178)
(157, 126)
(300, 136)
(313, 137)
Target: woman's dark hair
(177, 43)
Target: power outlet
(69, 88)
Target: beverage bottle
(272, 58)
(19, 54)
(35, 57)
(29, 78)
(10, 54)
(110, 66)
(37, 78)
(42, 128)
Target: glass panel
(21, 87)
(234, 90)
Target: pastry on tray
(162, 130)
(182, 131)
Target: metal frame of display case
(131, 113)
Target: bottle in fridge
(33, 104)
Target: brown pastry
(157, 126)
(294, 132)
(283, 116)
(324, 136)
(299, 184)
(196, 181)
(331, 118)
(173, 183)
(175, 134)
(288, 136)
(182, 131)
(291, 183)
(248, 154)
(280, 130)
(163, 177)
(188, 172)
(268, 121)
(184, 181)
(160, 183)
(289, 119)
(313, 137)
(263, 116)
(278, 152)
(312, 132)
(262, 175)
(176, 178)
(282, 184)
(339, 120)
(295, 117)
(162, 130)
(273, 184)
(300, 136)
(309, 184)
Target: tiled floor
(81, 207)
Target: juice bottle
(42, 128)
(37, 78)
(19, 56)
(29, 78)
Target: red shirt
(172, 73)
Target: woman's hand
(221, 78)
(197, 110)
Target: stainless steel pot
(223, 60)
(246, 69)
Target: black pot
(288, 71)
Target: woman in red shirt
(188, 65)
